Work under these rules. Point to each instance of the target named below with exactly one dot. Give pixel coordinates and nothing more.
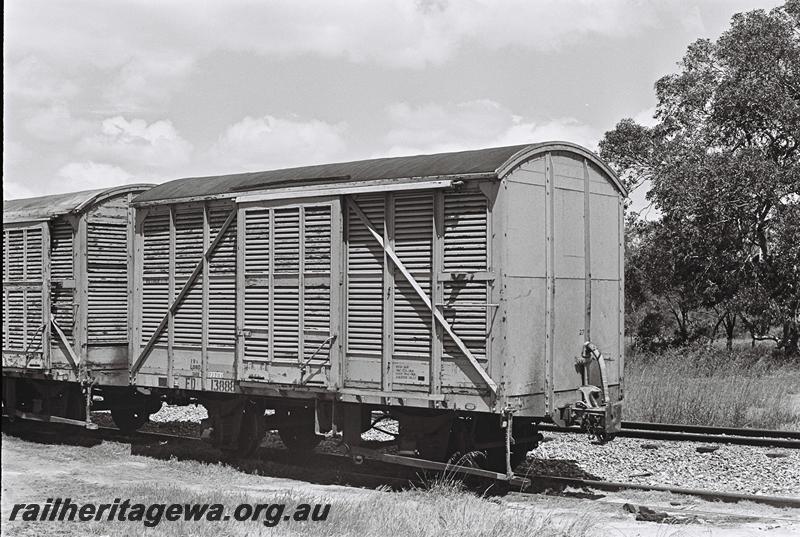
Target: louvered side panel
(364, 301)
(6, 311)
(61, 269)
(364, 318)
(33, 258)
(16, 241)
(256, 323)
(155, 271)
(316, 320)
(413, 238)
(5, 318)
(257, 233)
(317, 283)
(222, 312)
(365, 280)
(465, 231)
(107, 267)
(364, 254)
(15, 313)
(61, 250)
(256, 300)
(33, 312)
(317, 244)
(465, 309)
(222, 281)
(286, 324)
(287, 240)
(286, 305)
(188, 251)
(465, 250)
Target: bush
(702, 385)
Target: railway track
(385, 473)
(697, 433)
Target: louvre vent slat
(222, 281)
(155, 269)
(188, 222)
(365, 294)
(107, 268)
(22, 312)
(301, 244)
(413, 243)
(465, 250)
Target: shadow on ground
(324, 466)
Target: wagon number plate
(222, 385)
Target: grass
(746, 387)
(441, 509)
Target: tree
(723, 163)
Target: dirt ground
(34, 472)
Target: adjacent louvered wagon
(65, 305)
(469, 295)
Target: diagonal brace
(182, 294)
(72, 358)
(425, 299)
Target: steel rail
(707, 429)
(113, 434)
(717, 438)
(776, 501)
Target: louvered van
(467, 295)
(65, 301)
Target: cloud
(155, 145)
(55, 123)
(474, 124)
(32, 79)
(272, 142)
(144, 82)
(399, 33)
(87, 175)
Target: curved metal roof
(491, 161)
(48, 207)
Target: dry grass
(443, 508)
(710, 386)
(435, 512)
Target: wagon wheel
(251, 431)
(299, 435)
(128, 420)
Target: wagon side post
(136, 276)
(81, 333)
(437, 291)
(46, 313)
(241, 292)
(549, 343)
(337, 290)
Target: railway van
(469, 296)
(66, 292)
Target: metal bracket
(72, 358)
(329, 340)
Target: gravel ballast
(731, 468)
(728, 468)
(168, 413)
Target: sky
(99, 93)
